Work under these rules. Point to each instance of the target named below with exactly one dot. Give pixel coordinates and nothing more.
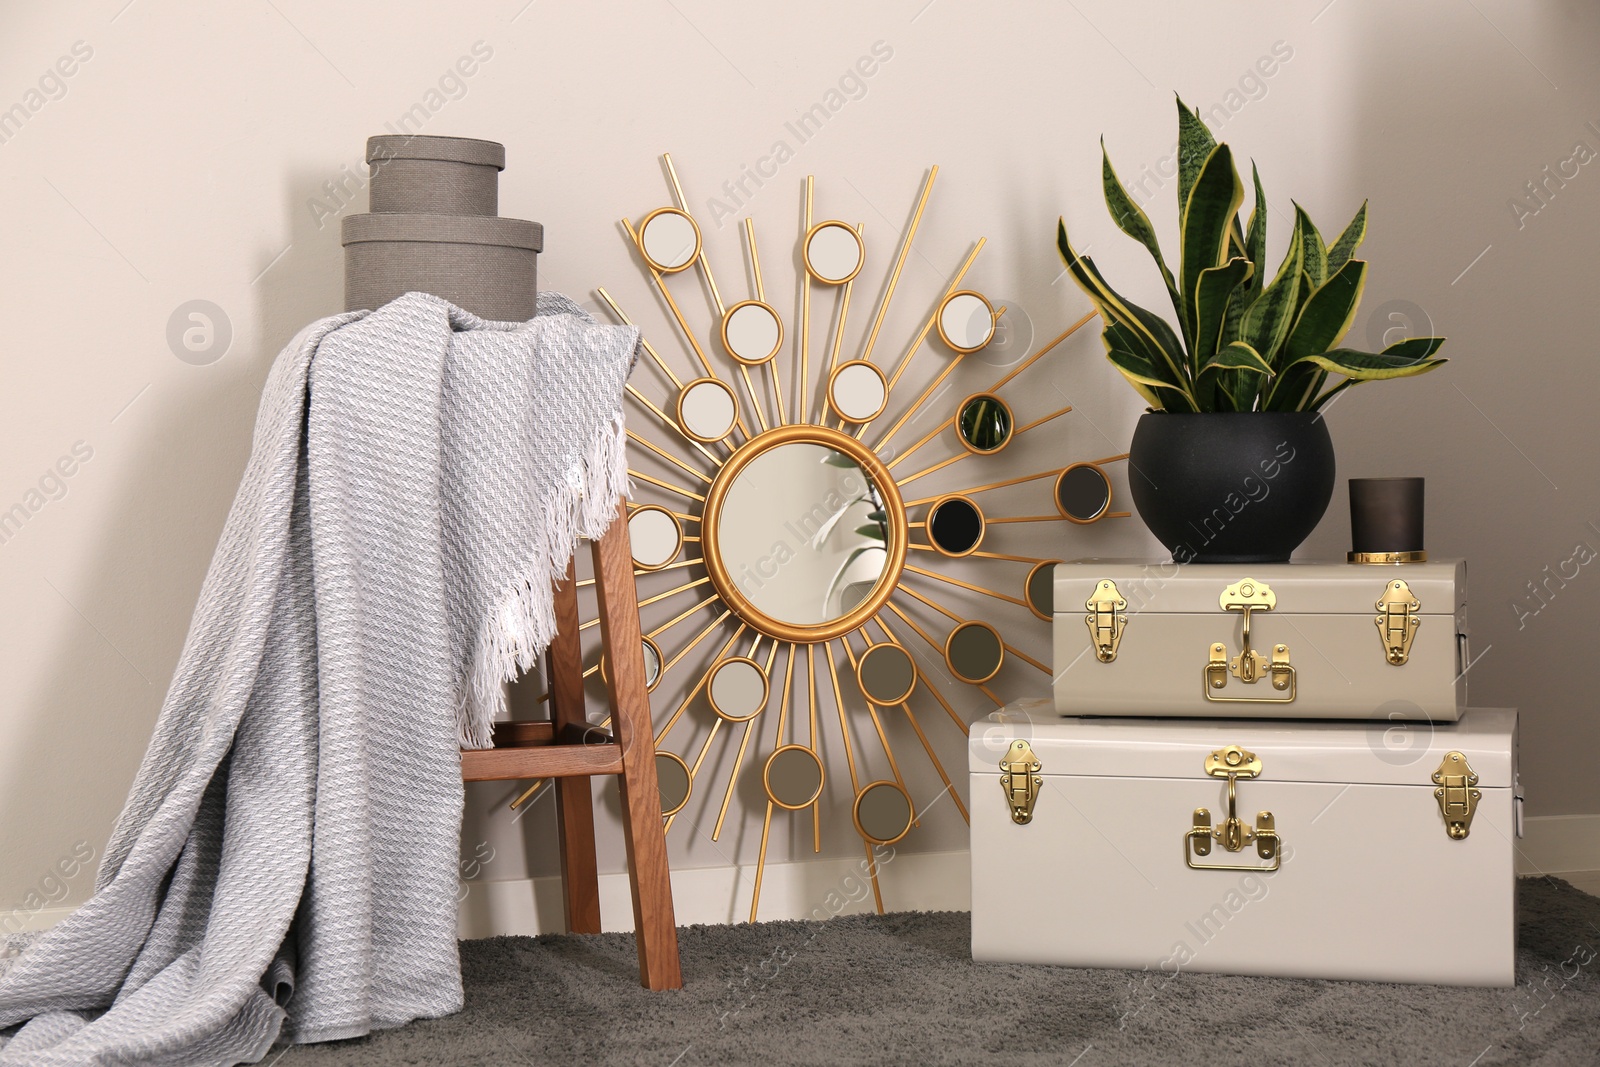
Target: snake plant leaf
(1255, 242)
(1345, 246)
(1213, 203)
(1131, 220)
(1322, 322)
(1150, 379)
(1195, 145)
(1231, 376)
(1315, 260)
(1328, 312)
(1155, 339)
(1218, 289)
(1372, 366)
(1267, 323)
(1236, 355)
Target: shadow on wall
(91, 727)
(1448, 140)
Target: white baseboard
(817, 889)
(1554, 844)
(918, 881)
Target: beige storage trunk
(1105, 843)
(1325, 640)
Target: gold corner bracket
(1019, 777)
(1104, 620)
(1458, 800)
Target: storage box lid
(1301, 588)
(448, 149)
(1379, 752)
(442, 229)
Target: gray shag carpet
(902, 989)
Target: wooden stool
(571, 750)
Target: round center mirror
(752, 332)
(833, 253)
(966, 321)
(804, 533)
(669, 239)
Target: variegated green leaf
(1315, 259)
(1218, 288)
(1195, 145)
(1238, 356)
(1149, 379)
(1327, 315)
(1369, 366)
(1131, 220)
(1342, 249)
(1213, 203)
(1255, 241)
(1267, 323)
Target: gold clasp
(1019, 777)
(1104, 622)
(1397, 621)
(1234, 834)
(1458, 801)
(1249, 666)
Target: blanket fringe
(521, 624)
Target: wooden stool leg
(655, 929)
(580, 877)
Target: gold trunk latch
(1397, 621)
(1234, 834)
(1249, 666)
(1019, 777)
(1458, 801)
(1104, 622)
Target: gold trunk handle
(1249, 666)
(1234, 834)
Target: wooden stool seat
(571, 750)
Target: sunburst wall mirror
(808, 574)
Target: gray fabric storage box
(434, 175)
(486, 265)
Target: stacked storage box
(1256, 769)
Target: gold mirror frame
(893, 508)
(783, 399)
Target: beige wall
(188, 155)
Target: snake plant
(1243, 343)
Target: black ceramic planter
(1231, 487)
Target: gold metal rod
(844, 311)
(1047, 418)
(844, 726)
(816, 825)
(930, 435)
(934, 759)
(1024, 657)
(673, 662)
(917, 404)
(804, 410)
(1031, 360)
(755, 402)
(672, 424)
(811, 692)
(1024, 518)
(1109, 459)
(927, 683)
(716, 725)
(783, 705)
(733, 779)
(899, 263)
(966, 585)
(986, 488)
(761, 862)
(664, 627)
(522, 798)
(683, 206)
(777, 391)
(755, 257)
(922, 334)
(649, 348)
(674, 591)
(872, 872)
(957, 458)
(669, 457)
(684, 515)
(998, 555)
(666, 485)
(877, 724)
(704, 678)
(991, 695)
(687, 563)
(772, 654)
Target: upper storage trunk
(1325, 640)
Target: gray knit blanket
(285, 869)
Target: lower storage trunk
(1108, 843)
